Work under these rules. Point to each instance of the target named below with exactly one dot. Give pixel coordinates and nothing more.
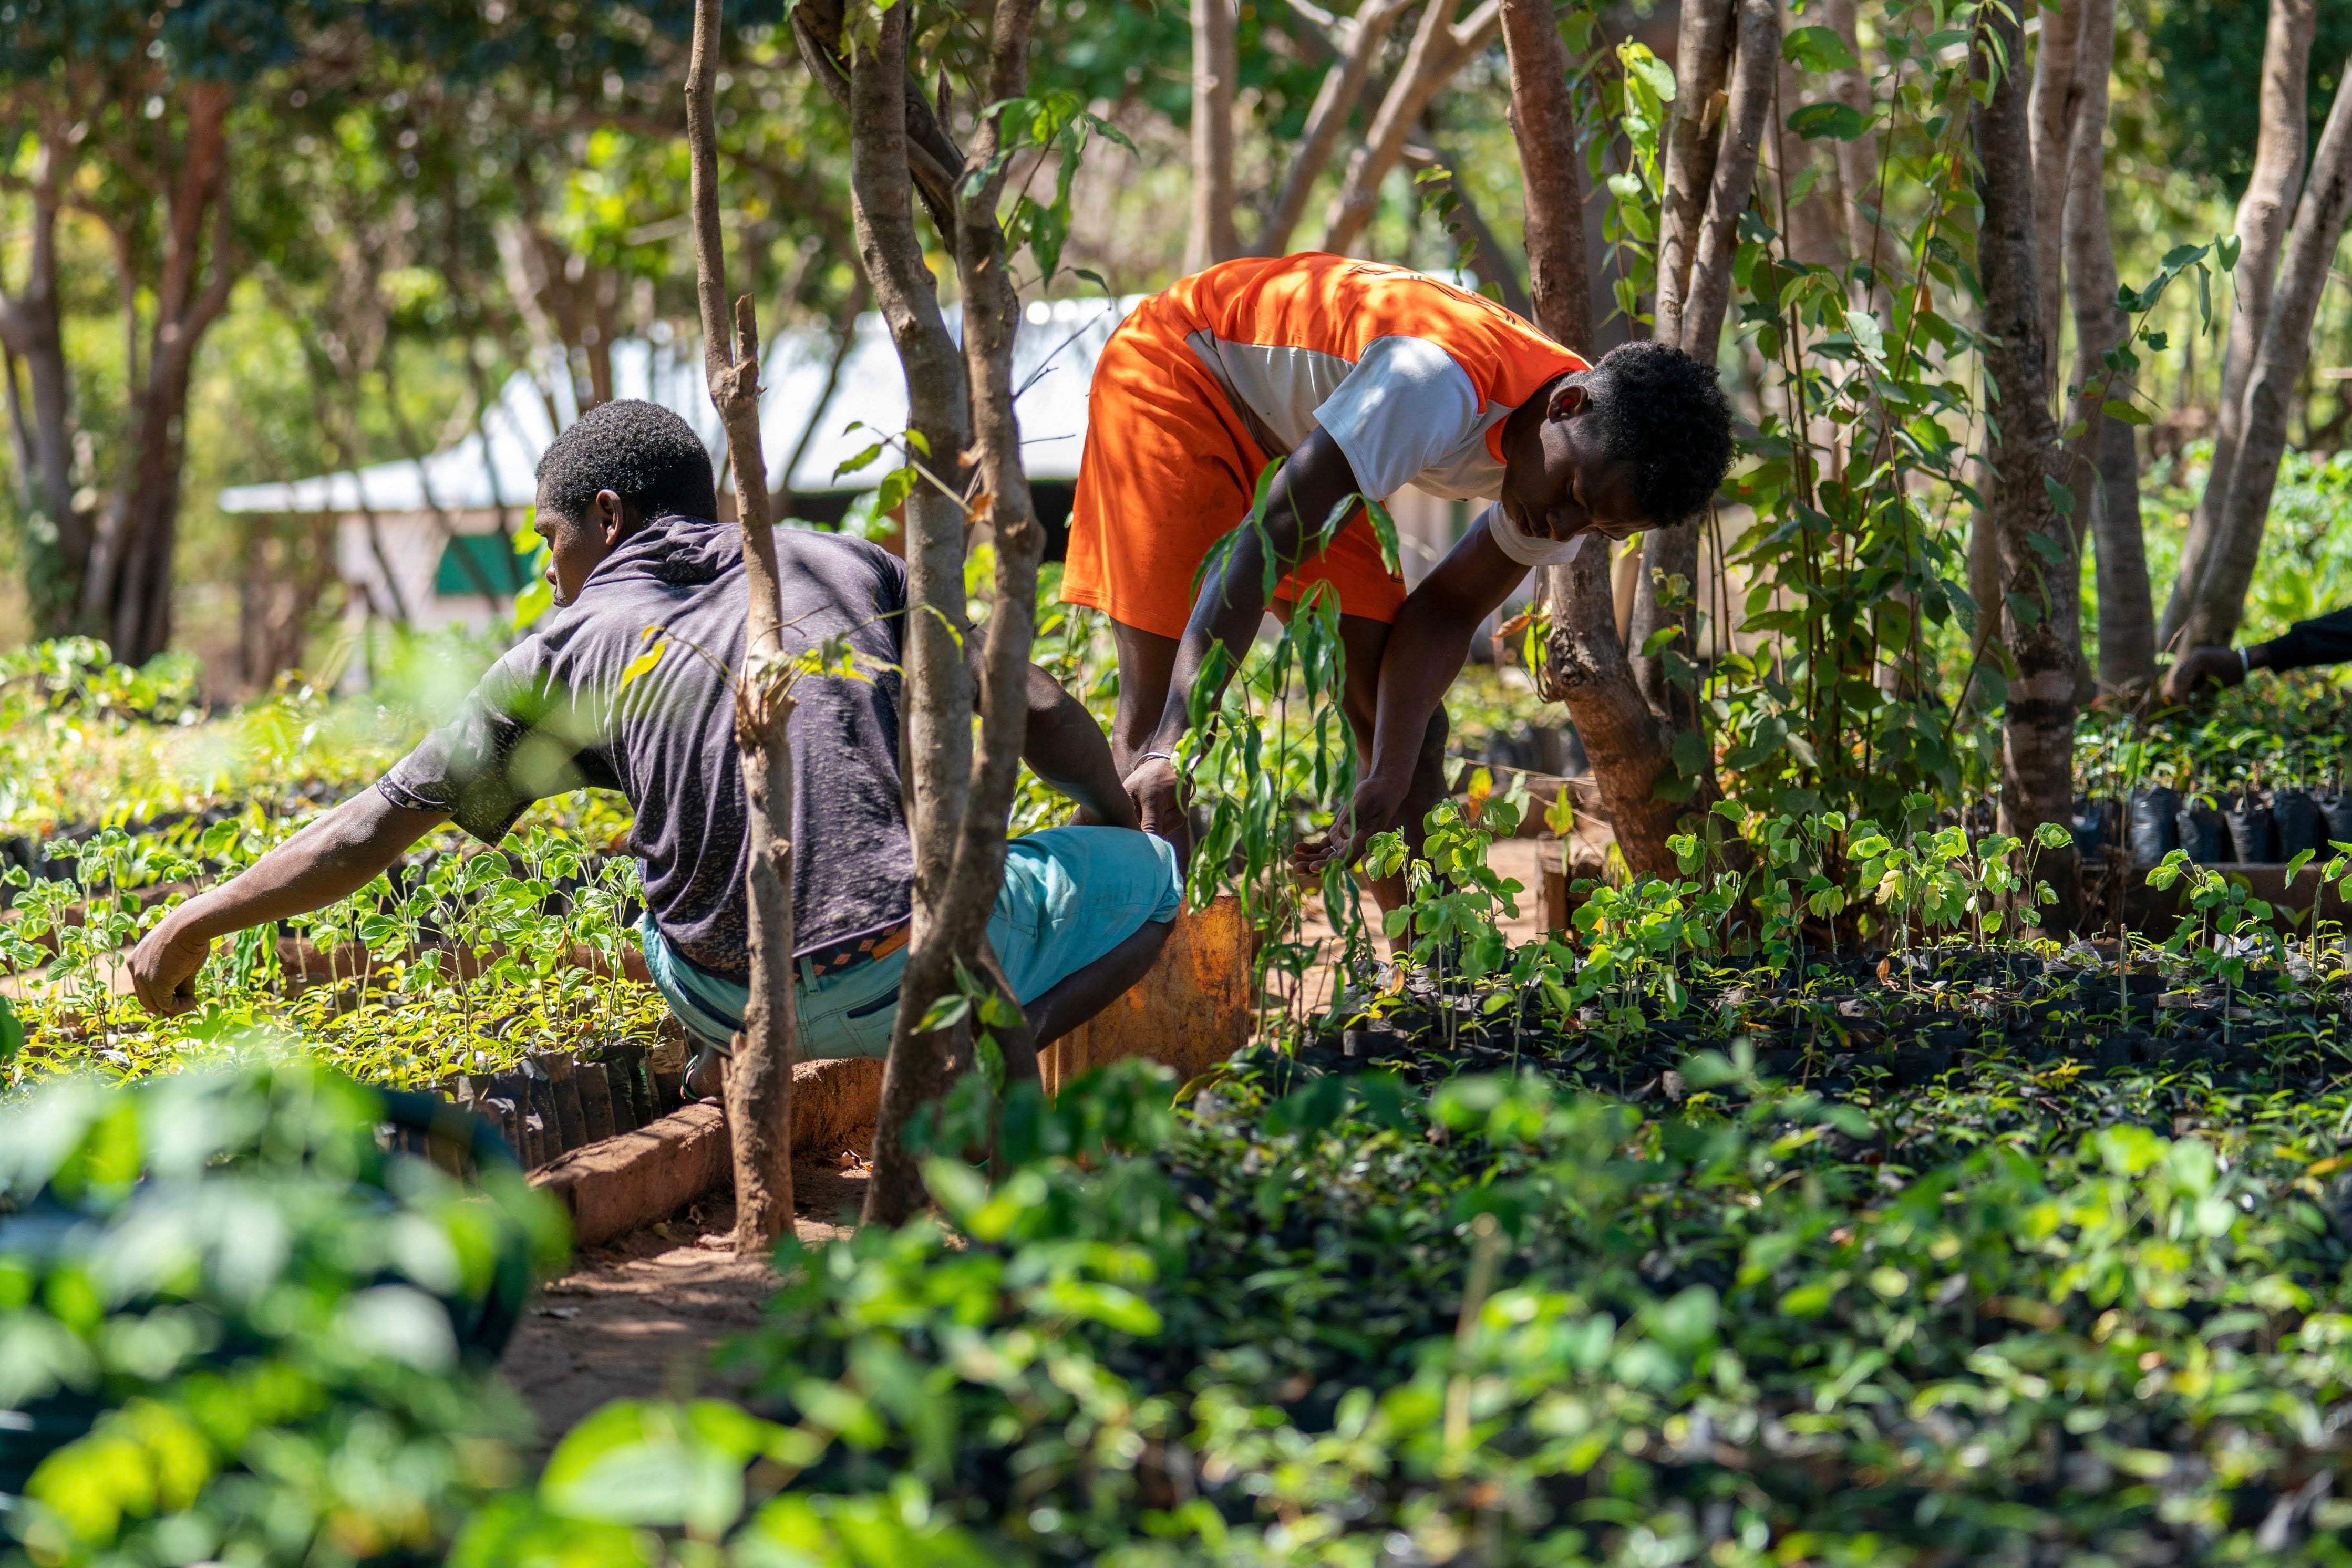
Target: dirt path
(640, 1319)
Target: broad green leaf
(1834, 122)
(1817, 48)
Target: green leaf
(12, 1031)
(1384, 529)
(2130, 414)
(1834, 122)
(2059, 496)
(1654, 72)
(1817, 48)
(944, 1014)
(640, 1462)
(1690, 755)
(851, 465)
(534, 600)
(1110, 1305)
(896, 487)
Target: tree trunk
(32, 326)
(126, 584)
(1439, 50)
(2057, 95)
(2108, 501)
(936, 757)
(1357, 42)
(2041, 614)
(1702, 58)
(2221, 597)
(1215, 64)
(1670, 547)
(1584, 657)
(958, 934)
(759, 1082)
(2262, 229)
(1560, 272)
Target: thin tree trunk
(2041, 627)
(937, 758)
(2221, 598)
(1358, 42)
(972, 843)
(2261, 230)
(32, 324)
(1215, 64)
(1701, 58)
(1984, 579)
(2127, 608)
(759, 1080)
(1560, 272)
(2057, 94)
(127, 585)
(1439, 50)
(1584, 657)
(1670, 547)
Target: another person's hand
(2200, 668)
(1157, 794)
(164, 968)
(1372, 812)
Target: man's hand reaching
(1372, 811)
(1157, 794)
(2200, 668)
(164, 968)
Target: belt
(838, 957)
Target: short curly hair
(1662, 416)
(640, 451)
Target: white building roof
(1053, 362)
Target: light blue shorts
(1070, 895)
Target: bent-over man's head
(1641, 440)
(621, 463)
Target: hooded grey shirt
(556, 713)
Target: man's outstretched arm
(1425, 651)
(333, 857)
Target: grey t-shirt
(554, 714)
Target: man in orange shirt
(1363, 378)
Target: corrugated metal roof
(1052, 362)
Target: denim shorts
(1070, 895)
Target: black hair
(1662, 416)
(640, 451)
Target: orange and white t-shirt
(1410, 377)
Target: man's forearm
(1066, 748)
(2325, 639)
(1226, 617)
(1426, 649)
(1314, 482)
(328, 860)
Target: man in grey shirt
(625, 498)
